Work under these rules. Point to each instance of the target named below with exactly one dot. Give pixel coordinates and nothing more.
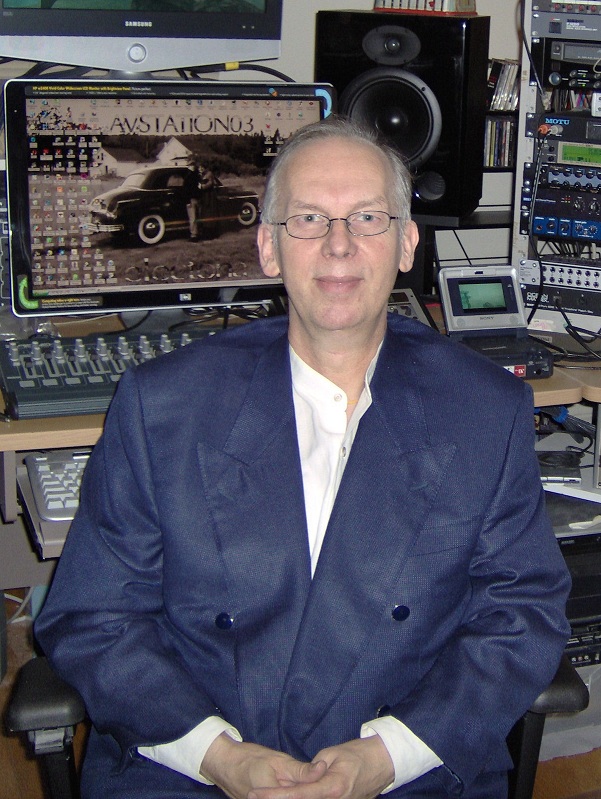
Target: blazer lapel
(254, 493)
(389, 482)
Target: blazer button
(384, 710)
(223, 621)
(400, 613)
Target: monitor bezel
(136, 298)
(460, 321)
(148, 41)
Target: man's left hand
(358, 769)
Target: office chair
(48, 710)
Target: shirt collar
(316, 388)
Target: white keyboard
(55, 478)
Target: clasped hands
(358, 769)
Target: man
(193, 206)
(202, 205)
(311, 558)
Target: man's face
(340, 282)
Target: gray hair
(339, 128)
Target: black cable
(236, 66)
(463, 250)
(138, 323)
(538, 163)
(575, 332)
(39, 67)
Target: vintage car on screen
(153, 202)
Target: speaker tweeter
(391, 45)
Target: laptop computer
(483, 308)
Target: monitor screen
(142, 195)
(480, 297)
(140, 35)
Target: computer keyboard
(55, 478)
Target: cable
(464, 251)
(575, 332)
(64, 70)
(23, 604)
(232, 66)
(533, 244)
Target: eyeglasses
(316, 226)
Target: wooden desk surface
(590, 380)
(54, 433)
(562, 388)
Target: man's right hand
(238, 767)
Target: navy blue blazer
(184, 589)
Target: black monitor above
(140, 35)
(142, 195)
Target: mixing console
(59, 376)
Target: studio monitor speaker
(420, 80)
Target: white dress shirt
(325, 438)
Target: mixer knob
(58, 352)
(165, 343)
(144, 347)
(80, 350)
(13, 352)
(185, 339)
(123, 347)
(101, 348)
(36, 352)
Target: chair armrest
(566, 694)
(41, 700)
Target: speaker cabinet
(420, 80)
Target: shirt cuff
(186, 754)
(410, 756)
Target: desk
(562, 388)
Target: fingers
(299, 790)
(302, 773)
(311, 772)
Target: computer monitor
(140, 35)
(105, 209)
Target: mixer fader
(59, 376)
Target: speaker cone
(400, 106)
